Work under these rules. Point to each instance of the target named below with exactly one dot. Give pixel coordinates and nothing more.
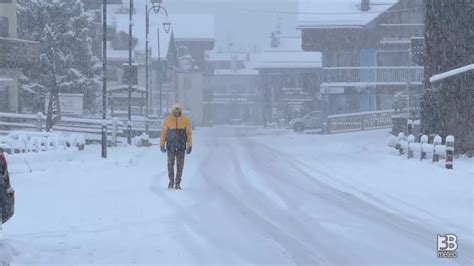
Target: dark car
(7, 194)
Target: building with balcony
(365, 48)
(15, 54)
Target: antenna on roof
(278, 27)
(275, 36)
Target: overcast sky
(244, 22)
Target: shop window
(4, 26)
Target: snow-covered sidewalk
(249, 196)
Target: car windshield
(237, 132)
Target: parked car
(7, 194)
(313, 120)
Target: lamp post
(129, 122)
(104, 81)
(156, 7)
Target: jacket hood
(177, 105)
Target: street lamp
(156, 7)
(130, 42)
(104, 79)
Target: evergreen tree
(62, 28)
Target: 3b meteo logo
(447, 245)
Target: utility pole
(104, 79)
(147, 99)
(130, 43)
(160, 75)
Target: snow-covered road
(249, 196)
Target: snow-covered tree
(62, 28)
(447, 108)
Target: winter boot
(171, 184)
(177, 186)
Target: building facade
(162, 56)
(192, 72)
(15, 54)
(233, 95)
(290, 80)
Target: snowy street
(249, 196)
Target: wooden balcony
(18, 53)
(387, 75)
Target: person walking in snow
(176, 139)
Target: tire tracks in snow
(411, 229)
(298, 251)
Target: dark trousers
(177, 156)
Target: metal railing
(359, 121)
(379, 74)
(89, 127)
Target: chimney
(365, 5)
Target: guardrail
(378, 74)
(359, 121)
(90, 128)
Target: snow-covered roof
(339, 13)
(451, 73)
(216, 56)
(193, 27)
(289, 55)
(139, 32)
(244, 72)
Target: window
(344, 59)
(112, 74)
(393, 58)
(4, 26)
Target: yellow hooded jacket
(176, 132)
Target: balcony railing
(15, 52)
(376, 75)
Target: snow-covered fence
(141, 141)
(90, 128)
(24, 141)
(409, 146)
(359, 121)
